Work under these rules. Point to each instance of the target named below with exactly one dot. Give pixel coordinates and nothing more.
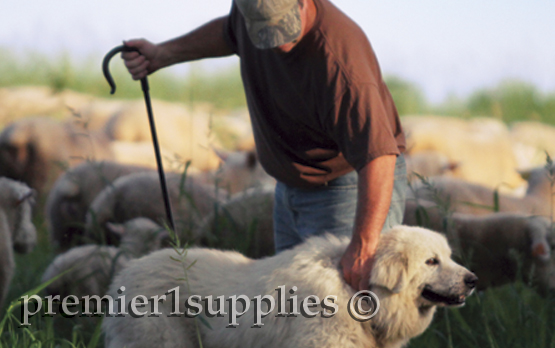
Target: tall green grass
(514, 315)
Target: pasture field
(510, 100)
(515, 315)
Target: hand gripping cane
(145, 88)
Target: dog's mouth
(434, 297)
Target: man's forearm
(375, 187)
(207, 41)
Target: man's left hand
(357, 264)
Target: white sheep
(182, 130)
(71, 195)
(142, 154)
(238, 171)
(429, 163)
(531, 140)
(487, 244)
(481, 146)
(17, 231)
(244, 223)
(139, 194)
(90, 268)
(36, 150)
(465, 197)
(24, 101)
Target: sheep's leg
(7, 263)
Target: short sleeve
(229, 28)
(361, 126)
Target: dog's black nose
(470, 280)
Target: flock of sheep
(90, 162)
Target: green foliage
(408, 97)
(510, 101)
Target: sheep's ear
(222, 154)
(24, 195)
(541, 250)
(251, 160)
(68, 188)
(164, 238)
(525, 173)
(391, 272)
(116, 229)
(451, 166)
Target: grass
(515, 315)
(44, 331)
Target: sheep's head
(140, 236)
(18, 205)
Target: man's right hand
(141, 64)
(207, 41)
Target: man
(324, 122)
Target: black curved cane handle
(106, 64)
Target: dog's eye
(432, 262)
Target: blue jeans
(301, 213)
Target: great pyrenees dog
(297, 298)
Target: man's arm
(375, 187)
(207, 41)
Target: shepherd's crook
(145, 88)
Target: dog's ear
(390, 271)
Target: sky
(444, 46)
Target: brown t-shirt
(322, 109)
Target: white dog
(413, 273)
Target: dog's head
(417, 262)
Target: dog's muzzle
(459, 299)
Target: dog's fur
(411, 263)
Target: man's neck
(309, 16)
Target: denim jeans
(301, 213)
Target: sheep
(71, 195)
(464, 197)
(481, 147)
(90, 268)
(142, 154)
(244, 223)
(531, 140)
(139, 194)
(487, 244)
(25, 101)
(17, 231)
(429, 163)
(96, 112)
(35, 150)
(234, 130)
(180, 131)
(239, 171)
